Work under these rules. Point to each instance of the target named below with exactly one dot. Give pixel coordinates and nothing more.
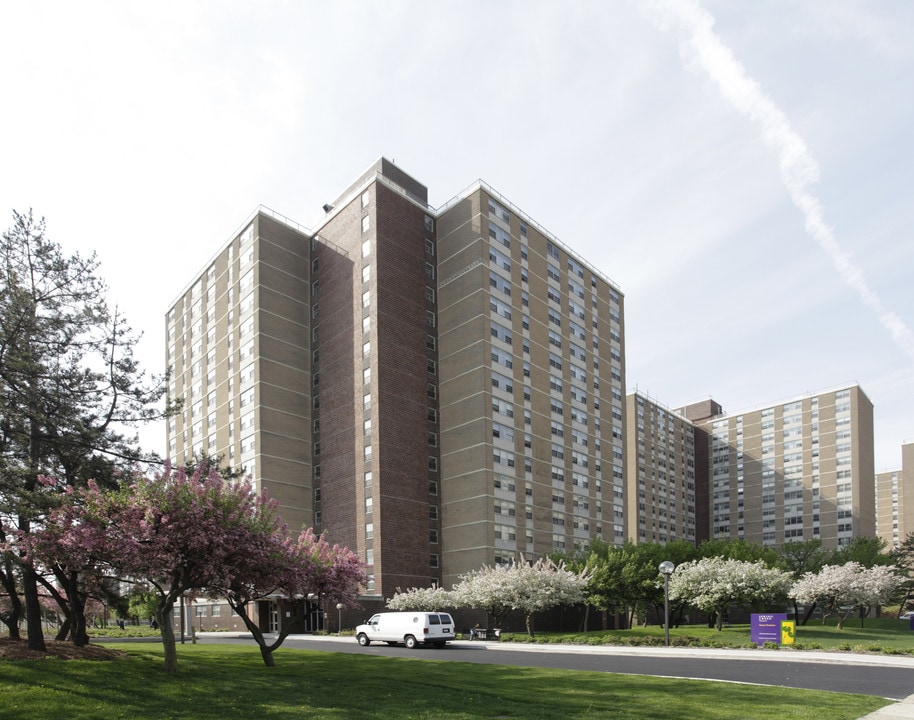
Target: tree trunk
(267, 654)
(80, 636)
(528, 617)
(76, 599)
(586, 617)
(164, 616)
(12, 618)
(34, 630)
(33, 627)
(64, 629)
(812, 609)
(73, 606)
(266, 651)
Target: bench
(490, 634)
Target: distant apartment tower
(799, 470)
(895, 500)
(435, 389)
(696, 413)
(660, 457)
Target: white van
(409, 628)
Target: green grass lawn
(885, 635)
(226, 681)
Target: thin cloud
(701, 46)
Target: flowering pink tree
(840, 589)
(67, 549)
(278, 564)
(175, 532)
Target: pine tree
(69, 390)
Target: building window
(366, 223)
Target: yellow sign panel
(788, 632)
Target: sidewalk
(899, 711)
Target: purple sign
(766, 627)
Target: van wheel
(363, 640)
(410, 642)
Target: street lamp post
(666, 569)
(339, 618)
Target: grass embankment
(883, 635)
(228, 681)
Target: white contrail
(799, 171)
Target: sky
(743, 171)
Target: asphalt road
(888, 677)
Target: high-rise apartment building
(437, 390)
(532, 377)
(660, 456)
(895, 500)
(238, 342)
(443, 389)
(799, 470)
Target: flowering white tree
(488, 588)
(421, 599)
(520, 586)
(716, 584)
(846, 586)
